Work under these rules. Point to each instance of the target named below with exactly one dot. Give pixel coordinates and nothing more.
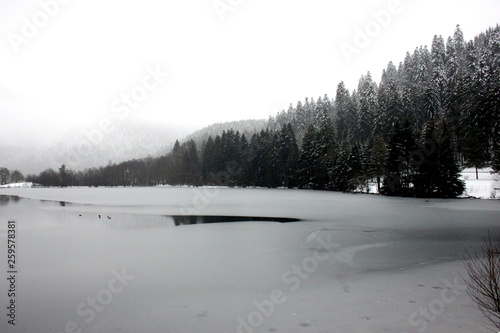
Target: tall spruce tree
(475, 119)
(207, 160)
(288, 154)
(439, 78)
(379, 156)
(340, 173)
(389, 102)
(342, 112)
(367, 92)
(438, 171)
(356, 168)
(400, 167)
(307, 176)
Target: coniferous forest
(432, 114)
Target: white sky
(261, 57)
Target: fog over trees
(434, 112)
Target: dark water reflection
(86, 215)
(201, 219)
(60, 213)
(6, 199)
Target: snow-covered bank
(18, 185)
(485, 186)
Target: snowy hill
(82, 148)
(247, 127)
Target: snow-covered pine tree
(301, 122)
(459, 43)
(389, 102)
(307, 159)
(340, 173)
(410, 96)
(400, 169)
(288, 154)
(438, 172)
(439, 77)
(367, 92)
(353, 133)
(355, 163)
(320, 114)
(207, 160)
(328, 150)
(342, 109)
(379, 157)
(368, 174)
(476, 117)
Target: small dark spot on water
(306, 324)
(202, 314)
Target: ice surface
(355, 263)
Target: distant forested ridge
(433, 113)
(247, 127)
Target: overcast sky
(226, 60)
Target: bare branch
(483, 286)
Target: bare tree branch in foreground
(483, 286)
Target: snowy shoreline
(486, 187)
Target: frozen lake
(114, 260)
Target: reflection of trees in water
(6, 199)
(124, 221)
(194, 219)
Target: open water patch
(203, 219)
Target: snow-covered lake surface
(112, 260)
